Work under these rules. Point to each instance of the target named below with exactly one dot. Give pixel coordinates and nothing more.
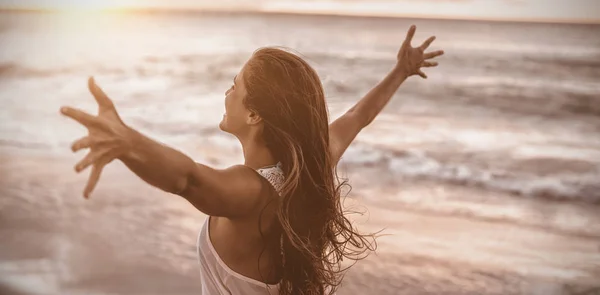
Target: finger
(420, 73)
(88, 142)
(82, 143)
(90, 159)
(93, 180)
(428, 64)
(82, 117)
(99, 95)
(433, 54)
(410, 34)
(427, 42)
(97, 170)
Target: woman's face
(237, 117)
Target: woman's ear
(253, 118)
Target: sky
(529, 10)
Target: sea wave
(582, 186)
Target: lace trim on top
(274, 175)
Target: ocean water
(462, 169)
(512, 107)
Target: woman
(275, 224)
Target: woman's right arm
(410, 60)
(231, 192)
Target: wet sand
(130, 238)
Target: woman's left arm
(409, 62)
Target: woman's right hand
(412, 59)
(108, 137)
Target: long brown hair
(316, 235)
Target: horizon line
(261, 10)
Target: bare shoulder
(263, 189)
(244, 178)
(258, 186)
(233, 192)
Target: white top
(216, 277)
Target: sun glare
(88, 6)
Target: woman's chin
(223, 124)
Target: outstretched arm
(230, 192)
(344, 129)
(409, 62)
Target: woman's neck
(257, 155)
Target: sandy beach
(55, 242)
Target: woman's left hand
(108, 137)
(412, 59)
